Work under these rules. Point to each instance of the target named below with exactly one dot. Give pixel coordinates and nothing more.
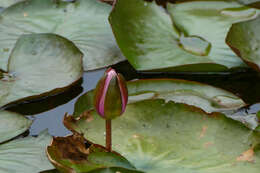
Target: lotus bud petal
(111, 95)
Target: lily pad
(84, 22)
(40, 64)
(248, 1)
(244, 39)
(25, 155)
(156, 136)
(12, 125)
(153, 42)
(212, 21)
(206, 97)
(69, 154)
(6, 3)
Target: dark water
(48, 112)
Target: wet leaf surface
(40, 64)
(155, 42)
(70, 154)
(244, 39)
(158, 136)
(25, 154)
(84, 22)
(12, 125)
(217, 18)
(6, 3)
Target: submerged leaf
(40, 64)
(12, 125)
(69, 154)
(244, 39)
(25, 155)
(160, 137)
(84, 22)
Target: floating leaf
(6, 3)
(40, 64)
(25, 155)
(244, 39)
(156, 136)
(248, 1)
(69, 154)
(84, 103)
(206, 97)
(211, 21)
(84, 22)
(153, 42)
(12, 125)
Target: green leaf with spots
(244, 39)
(40, 64)
(156, 136)
(206, 97)
(25, 155)
(84, 22)
(12, 125)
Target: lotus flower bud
(111, 95)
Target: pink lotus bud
(111, 95)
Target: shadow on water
(48, 112)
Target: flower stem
(108, 135)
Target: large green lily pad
(156, 136)
(206, 97)
(244, 39)
(25, 155)
(40, 64)
(84, 22)
(212, 21)
(153, 42)
(12, 125)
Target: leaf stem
(108, 135)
